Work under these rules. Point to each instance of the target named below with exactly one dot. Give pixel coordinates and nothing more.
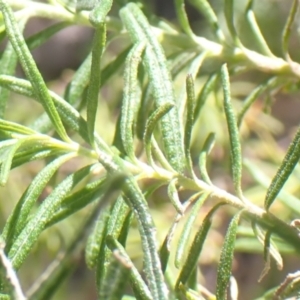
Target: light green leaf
(183, 18)
(187, 230)
(95, 80)
(174, 197)
(13, 127)
(77, 201)
(203, 95)
(207, 147)
(79, 82)
(196, 248)
(206, 10)
(96, 241)
(253, 96)
(286, 168)
(68, 113)
(250, 17)
(30, 69)
(150, 126)
(287, 30)
(8, 64)
(5, 166)
(155, 65)
(99, 12)
(30, 233)
(130, 101)
(229, 17)
(235, 145)
(225, 263)
(153, 272)
(139, 287)
(189, 122)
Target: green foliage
(134, 201)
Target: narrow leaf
(259, 176)
(68, 113)
(77, 201)
(99, 12)
(152, 264)
(267, 256)
(229, 17)
(155, 66)
(15, 128)
(116, 277)
(150, 126)
(203, 95)
(182, 17)
(235, 145)
(63, 264)
(165, 249)
(29, 235)
(30, 68)
(96, 240)
(207, 147)
(174, 197)
(187, 230)
(130, 101)
(7, 163)
(196, 248)
(118, 228)
(206, 10)
(8, 64)
(79, 82)
(139, 287)
(225, 264)
(288, 28)
(285, 170)
(189, 122)
(95, 80)
(253, 96)
(250, 17)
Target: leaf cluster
(169, 106)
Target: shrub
(186, 134)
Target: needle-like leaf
(235, 145)
(225, 263)
(285, 170)
(155, 65)
(130, 101)
(30, 68)
(95, 79)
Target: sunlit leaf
(225, 263)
